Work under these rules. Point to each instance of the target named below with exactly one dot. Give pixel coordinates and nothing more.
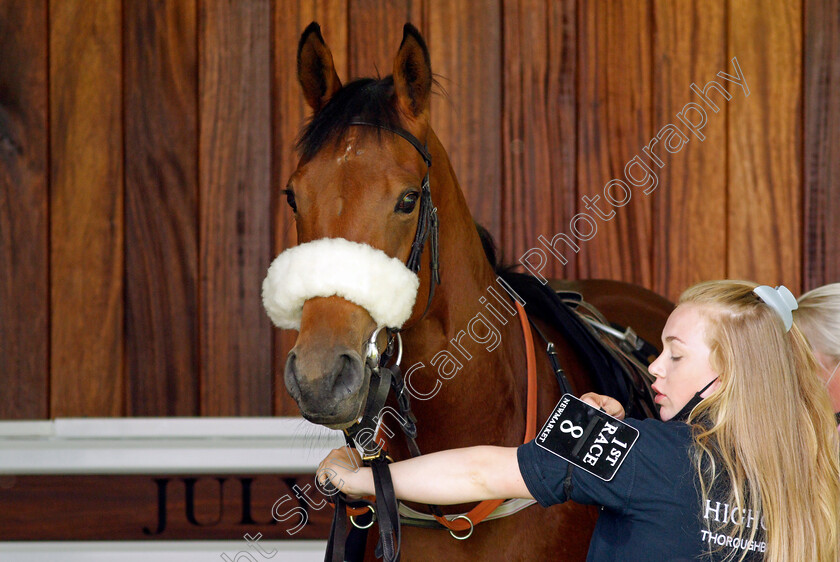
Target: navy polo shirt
(651, 508)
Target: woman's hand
(610, 405)
(342, 469)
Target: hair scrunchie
(779, 299)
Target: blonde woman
(743, 465)
(818, 316)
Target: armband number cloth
(587, 437)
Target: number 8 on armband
(587, 437)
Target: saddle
(615, 355)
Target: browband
(415, 142)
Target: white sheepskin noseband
(368, 277)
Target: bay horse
(359, 181)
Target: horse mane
(366, 99)
(491, 251)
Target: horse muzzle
(335, 293)
(335, 397)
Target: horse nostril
(290, 376)
(348, 376)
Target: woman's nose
(655, 367)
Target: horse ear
(316, 71)
(413, 73)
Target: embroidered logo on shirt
(720, 512)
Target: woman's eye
(675, 358)
(290, 199)
(407, 203)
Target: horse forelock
(366, 99)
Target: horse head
(357, 197)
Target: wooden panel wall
(689, 48)
(86, 209)
(234, 179)
(820, 164)
(614, 118)
(467, 120)
(764, 223)
(539, 154)
(143, 146)
(374, 28)
(161, 249)
(24, 226)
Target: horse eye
(290, 199)
(407, 203)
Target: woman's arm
(447, 477)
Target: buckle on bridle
(380, 455)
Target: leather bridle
(384, 375)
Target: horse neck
(485, 401)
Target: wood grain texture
(288, 115)
(464, 38)
(764, 169)
(690, 202)
(86, 224)
(24, 227)
(538, 128)
(234, 180)
(375, 30)
(200, 507)
(153, 307)
(161, 196)
(821, 165)
(614, 123)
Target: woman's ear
(413, 73)
(316, 71)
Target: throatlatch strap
(423, 224)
